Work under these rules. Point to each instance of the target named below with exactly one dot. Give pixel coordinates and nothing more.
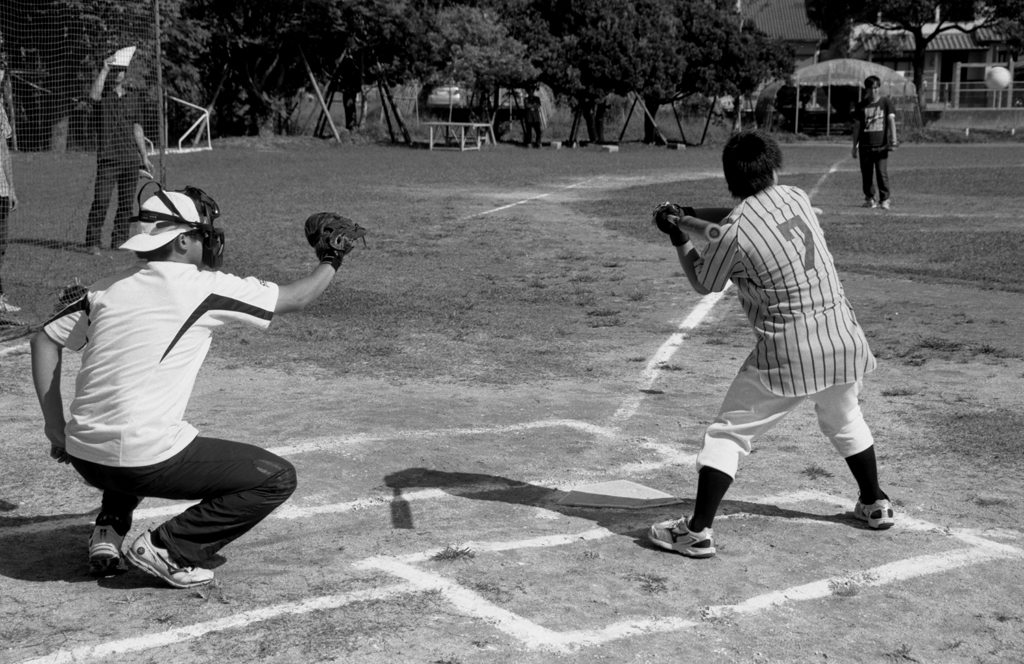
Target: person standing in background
(8, 199)
(534, 120)
(874, 131)
(121, 152)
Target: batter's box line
(535, 636)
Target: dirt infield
(500, 344)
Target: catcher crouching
(143, 334)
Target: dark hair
(872, 82)
(750, 160)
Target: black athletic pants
(238, 484)
(108, 174)
(874, 164)
(532, 135)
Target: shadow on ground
(626, 522)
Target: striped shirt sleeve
(722, 259)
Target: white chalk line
(665, 352)
(333, 442)
(817, 185)
(538, 637)
(530, 199)
(10, 350)
(191, 632)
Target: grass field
(516, 328)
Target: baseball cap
(155, 234)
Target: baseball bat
(706, 229)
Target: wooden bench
(460, 135)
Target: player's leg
(115, 517)
(100, 202)
(127, 177)
(748, 410)
(841, 420)
(238, 486)
(867, 176)
(882, 175)
(5, 209)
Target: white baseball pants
(750, 409)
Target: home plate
(621, 494)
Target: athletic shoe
(870, 203)
(878, 514)
(6, 307)
(104, 550)
(156, 561)
(885, 204)
(677, 536)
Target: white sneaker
(104, 550)
(885, 204)
(870, 203)
(878, 514)
(6, 307)
(156, 561)
(677, 536)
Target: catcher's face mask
(213, 238)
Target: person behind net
(117, 114)
(8, 199)
(143, 334)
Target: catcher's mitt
(69, 295)
(332, 236)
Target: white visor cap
(155, 234)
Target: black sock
(154, 536)
(120, 524)
(865, 471)
(711, 487)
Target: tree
(1010, 15)
(254, 60)
(750, 57)
(699, 48)
(580, 51)
(923, 20)
(384, 41)
(471, 47)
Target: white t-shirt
(144, 333)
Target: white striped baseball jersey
(144, 333)
(773, 249)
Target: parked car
(445, 96)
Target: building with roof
(955, 63)
(786, 20)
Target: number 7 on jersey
(788, 230)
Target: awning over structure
(828, 91)
(849, 71)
